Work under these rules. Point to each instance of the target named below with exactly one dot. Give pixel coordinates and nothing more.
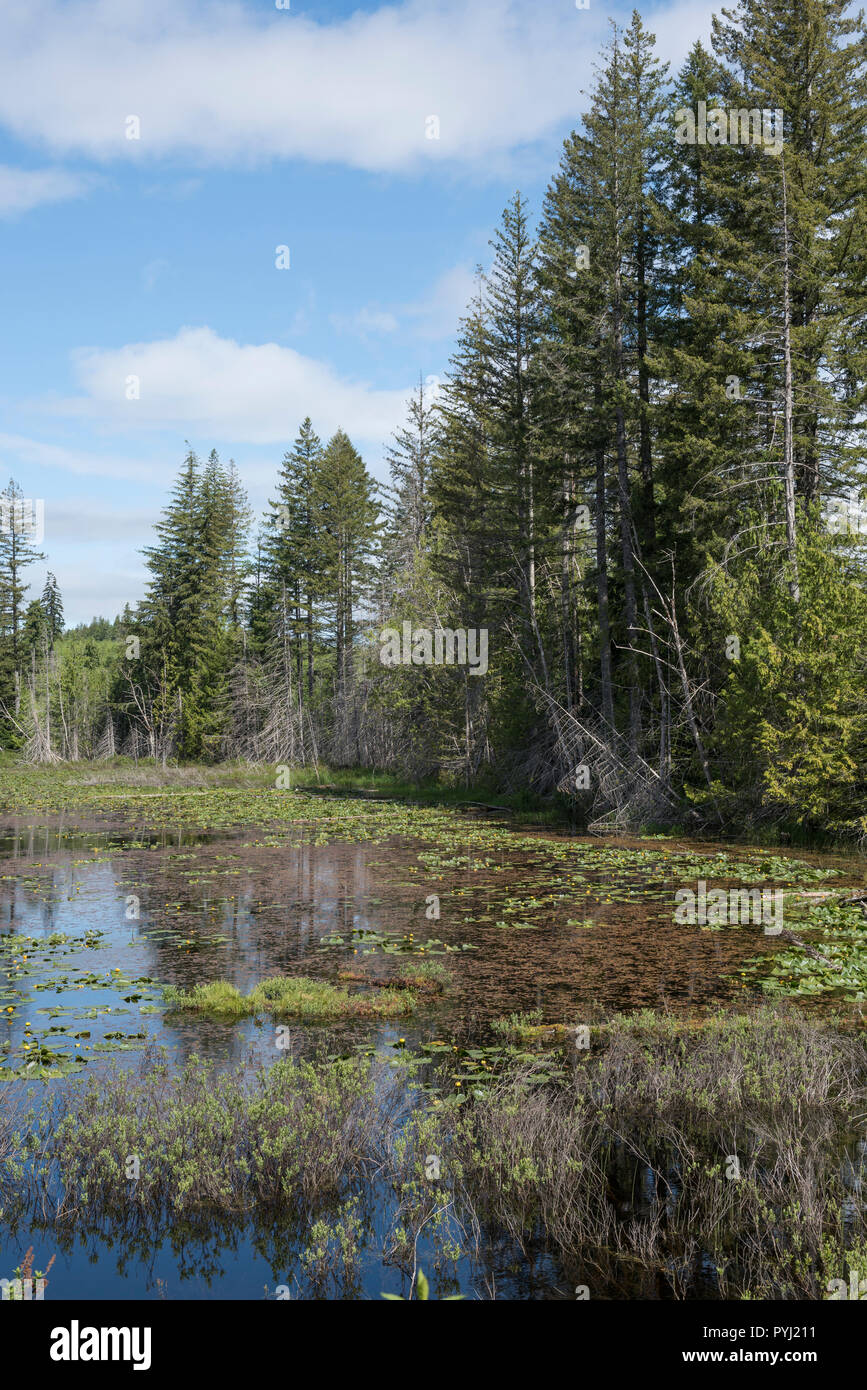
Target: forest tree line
(642, 476)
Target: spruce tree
(800, 219)
(197, 572)
(345, 519)
(291, 554)
(53, 606)
(17, 553)
(410, 460)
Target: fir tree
(17, 553)
(345, 516)
(53, 606)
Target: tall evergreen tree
(346, 520)
(598, 247)
(292, 554)
(187, 615)
(53, 606)
(803, 209)
(410, 459)
(18, 525)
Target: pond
(100, 912)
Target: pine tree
(410, 459)
(292, 555)
(17, 527)
(517, 511)
(705, 414)
(464, 505)
(598, 246)
(36, 630)
(645, 79)
(570, 376)
(345, 517)
(762, 365)
(53, 606)
(197, 575)
(797, 59)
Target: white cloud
(23, 189)
(173, 190)
(365, 322)
(436, 313)
(198, 381)
(35, 453)
(224, 82)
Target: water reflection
(115, 913)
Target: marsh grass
(67, 781)
(633, 1158)
(289, 996)
(218, 997)
(123, 772)
(422, 977)
(520, 1026)
(426, 976)
(306, 998)
(622, 1170)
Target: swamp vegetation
(306, 1044)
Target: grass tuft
(290, 995)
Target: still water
(94, 920)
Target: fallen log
(810, 950)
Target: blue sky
(155, 257)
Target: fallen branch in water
(810, 950)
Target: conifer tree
(18, 525)
(796, 224)
(598, 247)
(291, 553)
(53, 606)
(345, 518)
(410, 459)
(196, 574)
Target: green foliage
(795, 700)
(655, 396)
(290, 996)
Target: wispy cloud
(433, 315)
(20, 451)
(152, 272)
(23, 189)
(82, 521)
(366, 322)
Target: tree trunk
(788, 409)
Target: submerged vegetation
(658, 1153)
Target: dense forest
(641, 477)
